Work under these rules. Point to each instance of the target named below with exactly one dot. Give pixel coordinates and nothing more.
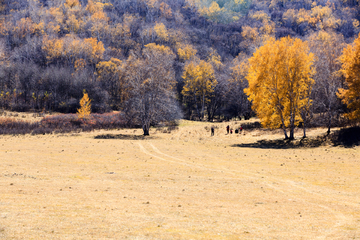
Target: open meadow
(184, 184)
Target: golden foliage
(250, 33)
(53, 47)
(240, 68)
(356, 23)
(23, 27)
(106, 68)
(320, 17)
(85, 106)
(260, 16)
(186, 52)
(79, 64)
(71, 47)
(96, 9)
(199, 83)
(72, 3)
(161, 31)
(73, 24)
(214, 12)
(350, 60)
(280, 81)
(57, 14)
(215, 59)
(95, 49)
(161, 49)
(165, 10)
(199, 78)
(151, 3)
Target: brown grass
(179, 185)
(24, 116)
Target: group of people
(228, 130)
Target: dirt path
(183, 185)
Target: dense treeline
(152, 54)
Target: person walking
(227, 129)
(212, 130)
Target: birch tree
(199, 84)
(279, 82)
(327, 48)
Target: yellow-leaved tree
(85, 106)
(186, 51)
(199, 84)
(280, 82)
(161, 32)
(350, 60)
(110, 76)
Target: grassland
(179, 185)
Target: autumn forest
(287, 62)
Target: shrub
(64, 123)
(13, 126)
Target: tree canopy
(280, 81)
(350, 95)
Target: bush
(64, 123)
(13, 126)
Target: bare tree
(237, 103)
(327, 47)
(150, 84)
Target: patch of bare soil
(178, 184)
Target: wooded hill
(51, 51)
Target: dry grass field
(179, 185)
(24, 116)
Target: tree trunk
(146, 121)
(146, 130)
(304, 118)
(283, 123)
(197, 107)
(286, 136)
(292, 126)
(291, 133)
(329, 123)
(203, 107)
(304, 130)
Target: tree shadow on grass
(123, 137)
(284, 144)
(347, 137)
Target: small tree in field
(85, 106)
